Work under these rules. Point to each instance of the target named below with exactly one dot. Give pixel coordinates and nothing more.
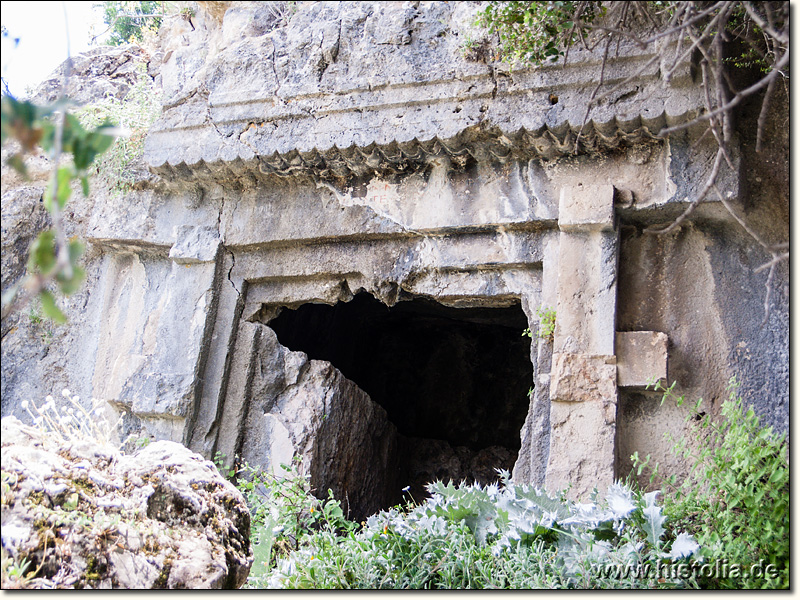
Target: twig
(685, 24)
(741, 221)
(594, 93)
(646, 14)
(712, 125)
(781, 246)
(768, 295)
(699, 140)
(679, 59)
(621, 32)
(766, 27)
(737, 98)
(619, 85)
(776, 259)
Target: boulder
(80, 514)
(342, 439)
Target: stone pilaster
(583, 376)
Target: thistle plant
(498, 536)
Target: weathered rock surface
(306, 410)
(641, 358)
(87, 516)
(343, 439)
(97, 74)
(241, 92)
(38, 355)
(23, 218)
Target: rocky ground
(77, 513)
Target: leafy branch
(53, 258)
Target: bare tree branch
(594, 93)
(762, 116)
(776, 259)
(741, 221)
(768, 28)
(712, 178)
(737, 98)
(684, 25)
(768, 295)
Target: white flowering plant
(73, 422)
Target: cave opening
(453, 381)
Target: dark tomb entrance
(453, 381)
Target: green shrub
(736, 497)
(129, 20)
(283, 514)
(135, 114)
(538, 32)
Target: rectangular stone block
(641, 357)
(583, 377)
(157, 317)
(581, 447)
(195, 245)
(586, 208)
(587, 292)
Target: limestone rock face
(347, 440)
(37, 355)
(23, 217)
(88, 516)
(345, 74)
(99, 73)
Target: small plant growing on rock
(547, 324)
(135, 114)
(40, 323)
(282, 12)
